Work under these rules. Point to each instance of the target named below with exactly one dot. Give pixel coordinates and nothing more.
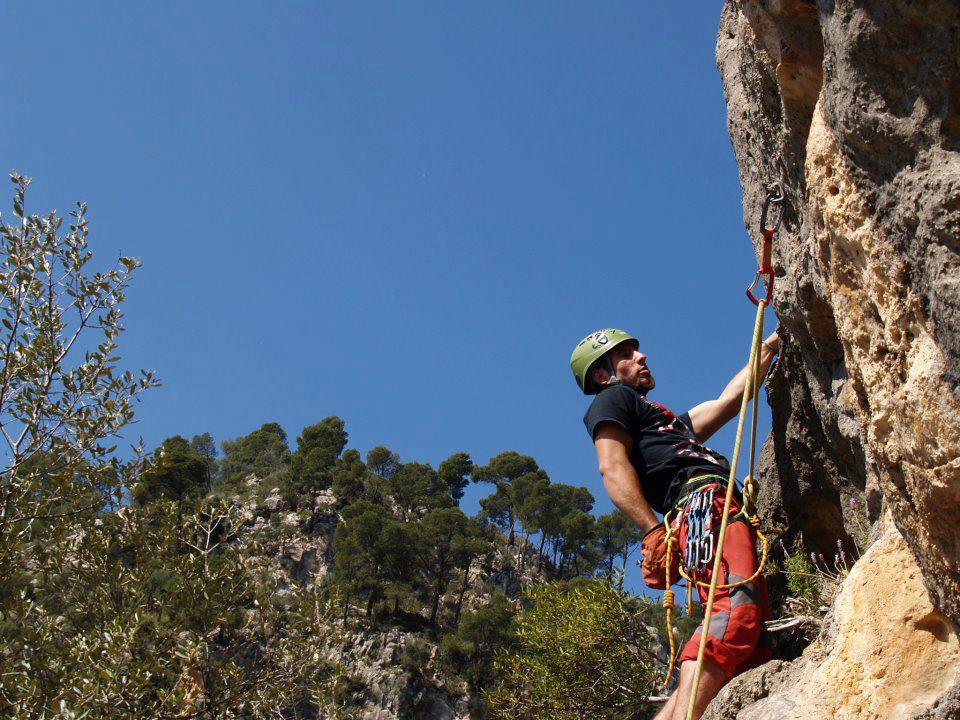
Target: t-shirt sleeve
(616, 404)
(685, 419)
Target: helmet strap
(614, 380)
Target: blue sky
(404, 214)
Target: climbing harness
(701, 547)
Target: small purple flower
(813, 558)
(840, 545)
(821, 558)
(853, 504)
(843, 557)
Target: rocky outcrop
(294, 549)
(885, 652)
(855, 108)
(384, 690)
(389, 672)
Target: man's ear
(599, 377)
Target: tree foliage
(616, 539)
(350, 478)
(263, 453)
(175, 472)
(204, 446)
(163, 608)
(318, 448)
(503, 471)
(150, 616)
(581, 651)
(455, 474)
(109, 610)
(371, 552)
(443, 541)
(63, 399)
(468, 651)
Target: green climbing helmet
(593, 347)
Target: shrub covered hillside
(264, 579)
(243, 584)
(380, 545)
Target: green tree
(416, 487)
(455, 474)
(382, 463)
(107, 609)
(349, 478)
(582, 651)
(525, 493)
(495, 509)
(370, 547)
(157, 616)
(318, 448)
(444, 541)
(62, 395)
(204, 446)
(578, 531)
(468, 651)
(175, 472)
(502, 471)
(533, 512)
(616, 538)
(263, 453)
(565, 508)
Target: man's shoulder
(614, 393)
(614, 402)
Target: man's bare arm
(712, 415)
(613, 445)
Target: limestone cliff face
(885, 653)
(855, 108)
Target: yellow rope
(668, 600)
(708, 611)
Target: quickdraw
(774, 196)
(700, 528)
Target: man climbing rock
(653, 461)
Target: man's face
(631, 367)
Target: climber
(652, 461)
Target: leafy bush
(468, 651)
(801, 576)
(415, 656)
(581, 651)
(176, 472)
(318, 448)
(263, 453)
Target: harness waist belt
(695, 483)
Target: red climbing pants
(736, 640)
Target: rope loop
(749, 494)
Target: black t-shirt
(665, 451)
